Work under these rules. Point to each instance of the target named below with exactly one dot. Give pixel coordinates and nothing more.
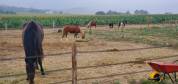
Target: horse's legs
(32, 74)
(41, 66)
(30, 69)
(27, 71)
(63, 35)
(36, 65)
(118, 27)
(122, 29)
(75, 35)
(66, 35)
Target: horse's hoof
(31, 82)
(36, 68)
(42, 73)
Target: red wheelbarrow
(161, 69)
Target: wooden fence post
(148, 21)
(53, 24)
(74, 64)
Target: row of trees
(110, 12)
(7, 12)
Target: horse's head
(88, 25)
(59, 31)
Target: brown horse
(32, 41)
(73, 29)
(91, 24)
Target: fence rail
(106, 76)
(94, 51)
(97, 66)
(74, 67)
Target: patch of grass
(107, 82)
(81, 40)
(154, 36)
(133, 82)
(95, 82)
(116, 82)
(145, 81)
(10, 82)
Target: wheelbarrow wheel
(154, 76)
(157, 77)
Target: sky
(152, 6)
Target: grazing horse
(111, 25)
(32, 42)
(91, 24)
(73, 29)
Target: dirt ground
(59, 67)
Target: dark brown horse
(73, 29)
(91, 24)
(111, 25)
(32, 41)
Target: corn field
(16, 21)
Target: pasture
(107, 55)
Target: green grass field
(154, 36)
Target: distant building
(49, 12)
